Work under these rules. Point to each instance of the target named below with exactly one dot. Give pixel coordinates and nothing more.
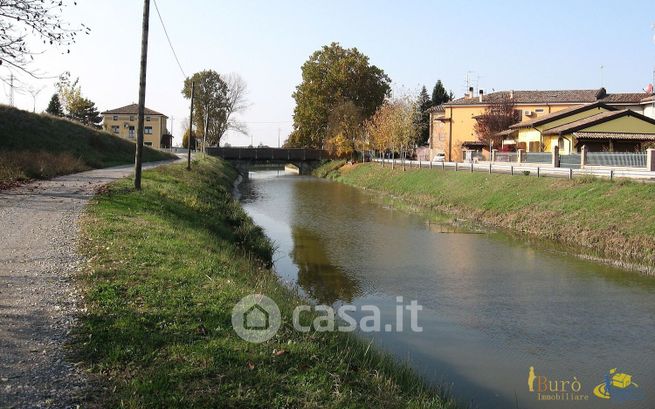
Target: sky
(499, 45)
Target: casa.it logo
(553, 389)
(618, 387)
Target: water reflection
(494, 305)
(318, 277)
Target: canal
(493, 305)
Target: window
(539, 110)
(131, 117)
(147, 119)
(115, 128)
(147, 143)
(131, 131)
(148, 130)
(115, 117)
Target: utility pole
(193, 93)
(278, 137)
(138, 157)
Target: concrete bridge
(244, 158)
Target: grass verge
(40, 146)
(611, 220)
(166, 266)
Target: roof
(536, 97)
(625, 98)
(544, 119)
(648, 99)
(594, 120)
(615, 135)
(506, 132)
(474, 143)
(132, 109)
(437, 108)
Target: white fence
(524, 169)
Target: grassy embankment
(166, 267)
(39, 146)
(611, 220)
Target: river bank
(166, 266)
(611, 222)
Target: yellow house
(452, 125)
(531, 135)
(123, 122)
(611, 131)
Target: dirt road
(38, 299)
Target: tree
(22, 19)
(424, 103)
(498, 117)
(185, 140)
(439, 94)
(85, 112)
(54, 107)
(345, 131)
(395, 126)
(210, 97)
(332, 76)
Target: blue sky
(507, 44)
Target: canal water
(493, 306)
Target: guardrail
(268, 154)
(523, 169)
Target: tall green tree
(54, 106)
(424, 103)
(440, 95)
(331, 77)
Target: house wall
(124, 122)
(623, 124)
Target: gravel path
(38, 298)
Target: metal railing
(538, 157)
(506, 157)
(617, 159)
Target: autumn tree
(395, 126)
(330, 77)
(22, 21)
(498, 117)
(84, 111)
(345, 130)
(54, 106)
(185, 140)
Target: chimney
(481, 94)
(469, 94)
(511, 94)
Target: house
(530, 136)
(612, 131)
(452, 125)
(123, 122)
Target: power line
(169, 39)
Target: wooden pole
(190, 141)
(138, 156)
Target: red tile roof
(132, 109)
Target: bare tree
(235, 103)
(498, 117)
(22, 19)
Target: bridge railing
(274, 154)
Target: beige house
(123, 122)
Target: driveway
(38, 297)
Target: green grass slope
(39, 146)
(614, 220)
(167, 265)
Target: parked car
(439, 157)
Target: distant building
(123, 122)
(452, 125)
